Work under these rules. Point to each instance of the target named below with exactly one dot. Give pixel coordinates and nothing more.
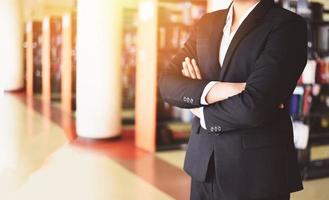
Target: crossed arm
(218, 92)
(271, 82)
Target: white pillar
(11, 45)
(218, 4)
(99, 32)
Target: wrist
(214, 93)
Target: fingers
(239, 86)
(185, 70)
(196, 69)
(191, 69)
(244, 85)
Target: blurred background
(80, 112)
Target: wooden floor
(42, 159)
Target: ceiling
(38, 9)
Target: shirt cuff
(202, 121)
(206, 91)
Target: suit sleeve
(271, 83)
(174, 87)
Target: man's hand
(196, 112)
(219, 92)
(191, 69)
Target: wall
(38, 9)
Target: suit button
(215, 128)
(218, 132)
(212, 129)
(191, 100)
(184, 99)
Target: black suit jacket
(252, 140)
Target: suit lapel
(247, 25)
(208, 44)
(216, 39)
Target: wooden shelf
(52, 33)
(150, 59)
(33, 57)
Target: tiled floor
(26, 140)
(72, 173)
(41, 159)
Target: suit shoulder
(280, 15)
(209, 16)
(217, 12)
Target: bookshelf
(33, 43)
(45, 59)
(51, 58)
(28, 58)
(163, 28)
(310, 102)
(56, 41)
(128, 63)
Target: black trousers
(210, 189)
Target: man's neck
(242, 6)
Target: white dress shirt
(225, 43)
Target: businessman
(236, 73)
